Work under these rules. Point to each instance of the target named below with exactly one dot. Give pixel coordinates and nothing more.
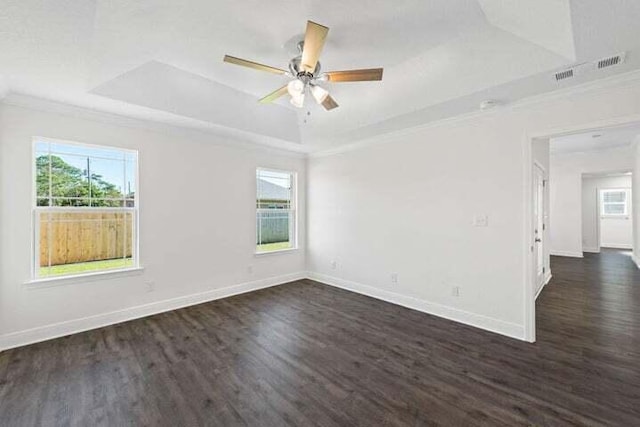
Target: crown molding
(170, 123)
(595, 87)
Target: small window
(615, 202)
(275, 210)
(85, 209)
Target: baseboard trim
(57, 330)
(567, 254)
(636, 260)
(547, 279)
(498, 326)
(591, 250)
(617, 246)
(61, 329)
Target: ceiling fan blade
(251, 64)
(329, 103)
(313, 43)
(274, 95)
(369, 74)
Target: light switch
(481, 221)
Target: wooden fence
(273, 226)
(84, 236)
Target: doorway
(590, 176)
(608, 160)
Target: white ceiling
(526, 19)
(162, 59)
(595, 140)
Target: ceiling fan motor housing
(297, 71)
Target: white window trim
(274, 252)
(35, 232)
(625, 214)
(84, 277)
(293, 232)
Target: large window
(275, 210)
(85, 208)
(615, 202)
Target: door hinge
(544, 227)
(544, 269)
(544, 182)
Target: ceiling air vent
(611, 61)
(565, 74)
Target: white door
(538, 224)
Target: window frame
(35, 210)
(603, 213)
(293, 209)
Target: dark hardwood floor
(308, 354)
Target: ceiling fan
(305, 70)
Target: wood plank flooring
(307, 354)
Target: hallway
(588, 328)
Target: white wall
(590, 223)
(197, 224)
(405, 204)
(565, 186)
(636, 203)
(614, 232)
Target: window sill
(86, 277)
(279, 251)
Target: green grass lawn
(85, 267)
(270, 247)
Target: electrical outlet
(334, 265)
(150, 285)
(394, 277)
(455, 291)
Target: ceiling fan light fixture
(305, 71)
(319, 93)
(295, 88)
(297, 100)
